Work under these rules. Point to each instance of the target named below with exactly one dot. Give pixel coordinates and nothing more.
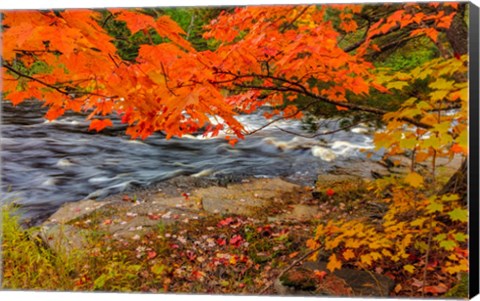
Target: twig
(281, 118)
(166, 80)
(289, 268)
(58, 89)
(319, 134)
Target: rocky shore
(183, 201)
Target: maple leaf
(414, 179)
(459, 214)
(136, 21)
(333, 263)
(151, 254)
(98, 125)
(236, 240)
(348, 254)
(54, 112)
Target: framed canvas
(241, 149)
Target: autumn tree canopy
(261, 55)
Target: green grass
(102, 265)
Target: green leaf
(448, 244)
(100, 282)
(440, 237)
(434, 207)
(459, 214)
(461, 237)
(158, 268)
(414, 179)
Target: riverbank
(197, 235)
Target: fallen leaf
(151, 254)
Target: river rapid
(45, 164)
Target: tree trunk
(457, 36)
(458, 183)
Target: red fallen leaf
(126, 198)
(320, 274)
(457, 55)
(236, 240)
(151, 254)
(436, 289)
(153, 216)
(107, 222)
(225, 222)
(221, 241)
(190, 255)
(185, 195)
(197, 274)
(330, 192)
(174, 246)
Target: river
(45, 164)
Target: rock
(298, 213)
(63, 238)
(243, 199)
(76, 210)
(363, 283)
(344, 282)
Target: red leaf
(236, 240)
(225, 222)
(151, 254)
(221, 241)
(99, 125)
(54, 113)
(330, 192)
(437, 289)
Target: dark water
(45, 164)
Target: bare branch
(319, 134)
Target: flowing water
(45, 164)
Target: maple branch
(61, 90)
(303, 90)
(166, 80)
(281, 118)
(320, 134)
(290, 24)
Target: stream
(45, 164)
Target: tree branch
(320, 134)
(300, 89)
(58, 89)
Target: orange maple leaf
(99, 125)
